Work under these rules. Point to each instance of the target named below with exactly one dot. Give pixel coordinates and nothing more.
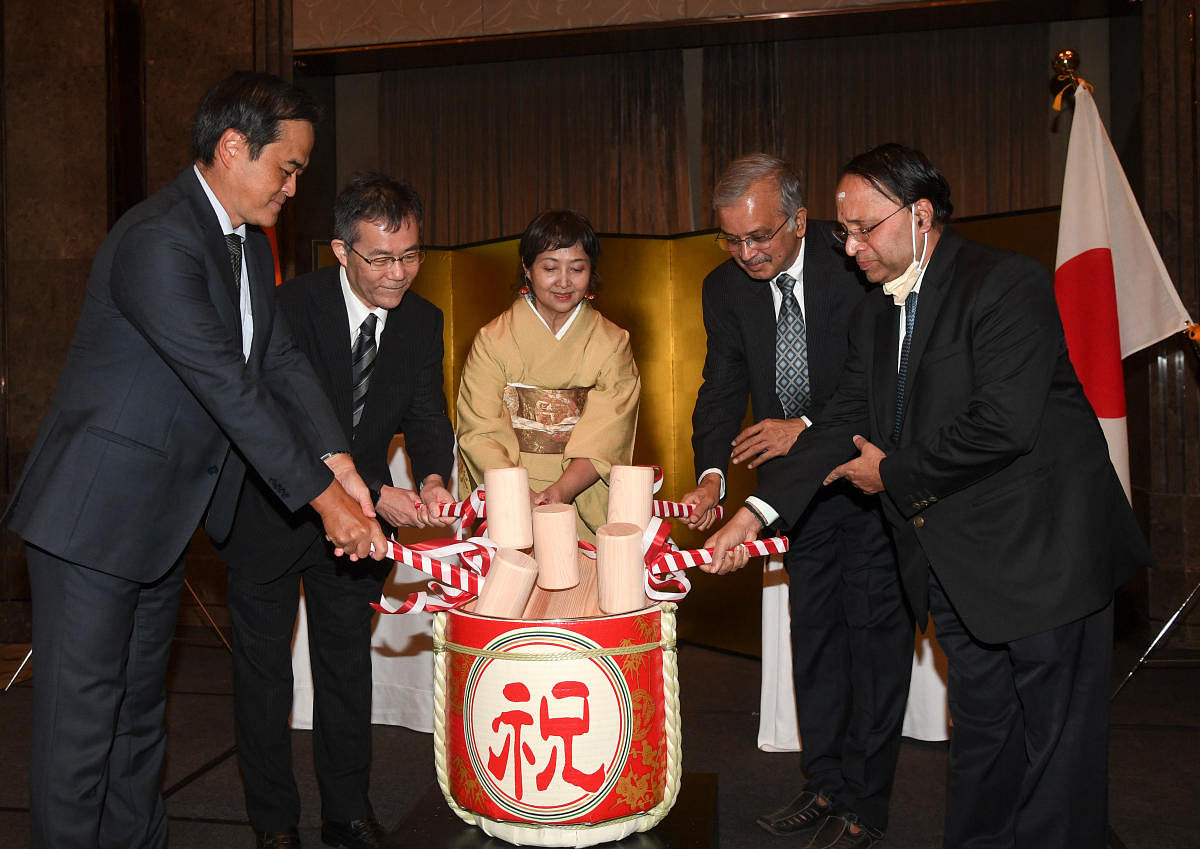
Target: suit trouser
(1029, 752)
(337, 595)
(852, 644)
(100, 646)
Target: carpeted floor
(1154, 763)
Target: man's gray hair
(747, 170)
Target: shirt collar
(356, 310)
(796, 269)
(222, 216)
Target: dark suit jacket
(739, 317)
(136, 443)
(404, 396)
(1001, 480)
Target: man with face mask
(1011, 526)
(776, 316)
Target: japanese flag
(1113, 291)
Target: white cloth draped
(926, 716)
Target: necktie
(362, 361)
(910, 318)
(234, 243)
(791, 352)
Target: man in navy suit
(1011, 526)
(178, 377)
(341, 317)
(852, 634)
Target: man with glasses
(776, 315)
(376, 347)
(1011, 526)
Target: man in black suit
(852, 634)
(336, 314)
(1011, 525)
(177, 379)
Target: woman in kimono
(550, 384)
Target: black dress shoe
(837, 834)
(289, 838)
(357, 834)
(802, 817)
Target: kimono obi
(544, 418)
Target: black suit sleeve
(161, 284)
(428, 437)
(290, 374)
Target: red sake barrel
(558, 732)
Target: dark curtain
(488, 146)
(976, 101)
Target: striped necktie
(233, 243)
(910, 318)
(791, 352)
(362, 362)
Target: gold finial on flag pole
(1064, 64)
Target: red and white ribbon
(674, 561)
(678, 510)
(453, 585)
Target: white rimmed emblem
(548, 740)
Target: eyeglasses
(858, 234)
(733, 244)
(410, 259)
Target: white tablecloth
(926, 716)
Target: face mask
(902, 285)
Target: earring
(524, 290)
(591, 296)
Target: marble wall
(56, 202)
(55, 170)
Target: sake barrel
(558, 732)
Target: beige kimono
(529, 399)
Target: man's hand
(401, 508)
(863, 471)
(766, 440)
(351, 532)
(729, 554)
(433, 495)
(703, 499)
(342, 466)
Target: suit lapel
(760, 338)
(934, 287)
(333, 341)
(225, 290)
(817, 304)
(390, 360)
(260, 270)
(887, 346)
